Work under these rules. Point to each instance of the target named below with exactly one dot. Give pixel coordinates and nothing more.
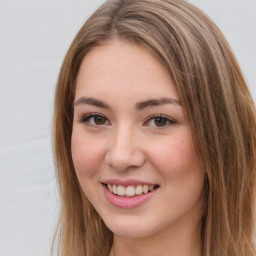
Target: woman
(154, 136)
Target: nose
(124, 150)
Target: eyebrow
(91, 101)
(138, 106)
(157, 102)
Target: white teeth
(110, 188)
(145, 189)
(114, 189)
(121, 190)
(139, 190)
(130, 190)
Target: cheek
(183, 176)
(175, 158)
(87, 154)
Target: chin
(130, 229)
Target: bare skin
(129, 128)
(183, 244)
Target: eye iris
(160, 121)
(99, 120)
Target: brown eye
(99, 120)
(160, 122)
(94, 120)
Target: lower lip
(127, 202)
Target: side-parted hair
(216, 102)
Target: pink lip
(127, 202)
(126, 183)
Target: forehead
(119, 67)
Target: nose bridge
(123, 138)
(124, 150)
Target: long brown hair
(216, 102)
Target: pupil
(160, 122)
(99, 120)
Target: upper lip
(129, 182)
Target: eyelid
(169, 119)
(86, 117)
(90, 115)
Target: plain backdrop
(34, 37)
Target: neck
(180, 242)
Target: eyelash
(161, 116)
(85, 119)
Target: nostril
(122, 161)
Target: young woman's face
(131, 145)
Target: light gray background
(34, 37)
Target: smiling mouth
(130, 191)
